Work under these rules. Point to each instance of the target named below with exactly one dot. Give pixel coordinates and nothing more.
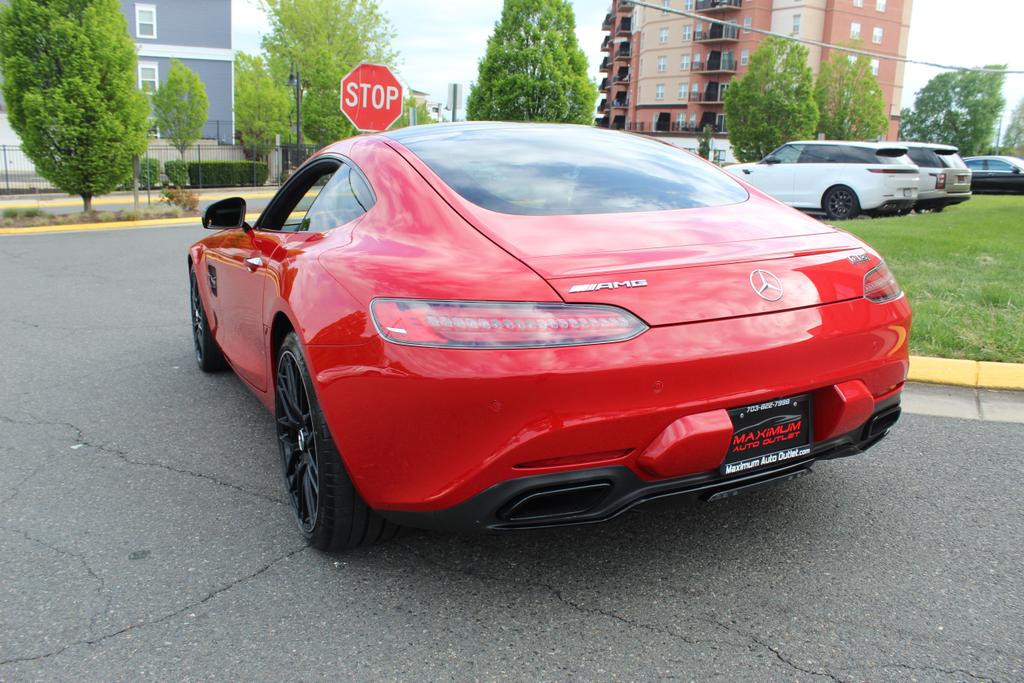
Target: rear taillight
(940, 181)
(880, 285)
(500, 325)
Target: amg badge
(606, 285)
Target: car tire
(840, 203)
(327, 508)
(208, 354)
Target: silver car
(945, 178)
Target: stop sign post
(371, 97)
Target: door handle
(747, 171)
(253, 263)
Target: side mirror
(1016, 170)
(224, 215)
(771, 160)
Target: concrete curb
(966, 373)
(107, 200)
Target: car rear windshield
(544, 170)
(951, 160)
(924, 157)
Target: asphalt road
(144, 535)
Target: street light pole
(295, 81)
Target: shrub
(226, 173)
(178, 196)
(176, 172)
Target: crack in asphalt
(558, 595)
(159, 620)
(126, 457)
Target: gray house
(195, 32)
(198, 34)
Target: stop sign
(371, 97)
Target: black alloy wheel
(840, 203)
(208, 354)
(298, 443)
(328, 509)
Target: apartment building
(666, 73)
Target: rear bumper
(941, 200)
(600, 494)
(893, 205)
(425, 429)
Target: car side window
(345, 198)
(287, 211)
(787, 154)
(297, 216)
(999, 166)
(976, 164)
(821, 154)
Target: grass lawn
(963, 270)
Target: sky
(441, 42)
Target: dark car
(996, 175)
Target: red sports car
(503, 326)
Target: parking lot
(144, 534)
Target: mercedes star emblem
(766, 285)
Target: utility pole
(295, 80)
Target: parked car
(945, 178)
(996, 174)
(499, 326)
(843, 179)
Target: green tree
(1013, 143)
(534, 69)
(321, 41)
(69, 82)
(773, 102)
(263, 106)
(706, 136)
(850, 101)
(422, 113)
(958, 108)
(180, 107)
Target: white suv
(843, 179)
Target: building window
(696, 60)
(681, 120)
(688, 5)
(688, 32)
(748, 22)
(854, 30)
(684, 90)
(874, 67)
(876, 35)
(664, 3)
(659, 91)
(663, 35)
(149, 77)
(796, 24)
(744, 57)
(662, 63)
(693, 119)
(858, 3)
(684, 63)
(880, 5)
(145, 21)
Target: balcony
(620, 103)
(609, 20)
(622, 76)
(711, 6)
(716, 33)
(601, 122)
(602, 106)
(606, 65)
(625, 26)
(715, 66)
(605, 84)
(623, 52)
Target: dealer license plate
(769, 433)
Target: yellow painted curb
(105, 201)
(966, 373)
(109, 225)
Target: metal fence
(18, 174)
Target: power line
(816, 43)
